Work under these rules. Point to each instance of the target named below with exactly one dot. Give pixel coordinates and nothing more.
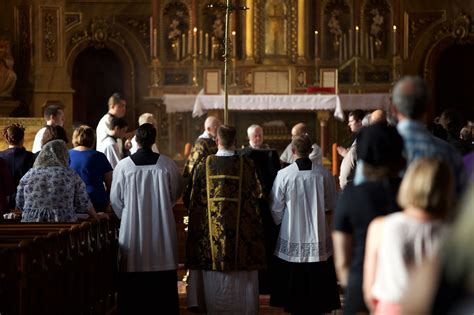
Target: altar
(271, 111)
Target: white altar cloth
(199, 104)
(179, 102)
(250, 102)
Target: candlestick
(183, 45)
(195, 41)
(351, 50)
(155, 42)
(315, 44)
(206, 45)
(394, 40)
(234, 45)
(357, 41)
(201, 41)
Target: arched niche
(276, 29)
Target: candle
(315, 44)
(351, 38)
(394, 40)
(344, 41)
(201, 41)
(334, 159)
(183, 44)
(366, 37)
(151, 36)
(234, 45)
(212, 48)
(340, 49)
(195, 42)
(357, 41)
(155, 41)
(178, 49)
(371, 47)
(206, 45)
(190, 43)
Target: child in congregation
(110, 145)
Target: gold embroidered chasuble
(225, 230)
(200, 150)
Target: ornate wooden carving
(376, 21)
(416, 24)
(176, 22)
(293, 34)
(99, 31)
(73, 19)
(139, 26)
(50, 35)
(336, 21)
(23, 30)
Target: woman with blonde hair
(398, 243)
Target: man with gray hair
(410, 99)
(255, 135)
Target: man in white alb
(117, 108)
(143, 119)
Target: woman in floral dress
(51, 191)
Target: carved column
(323, 117)
(49, 77)
(249, 30)
(301, 31)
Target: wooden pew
(57, 268)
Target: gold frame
(332, 75)
(212, 90)
(288, 87)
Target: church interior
(279, 62)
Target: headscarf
(53, 153)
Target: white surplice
(111, 151)
(299, 202)
(143, 198)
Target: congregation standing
(255, 228)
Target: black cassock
(267, 165)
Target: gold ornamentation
(73, 19)
(50, 34)
(418, 23)
(99, 32)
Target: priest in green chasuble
(225, 233)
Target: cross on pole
(229, 8)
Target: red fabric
(317, 89)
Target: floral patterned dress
(52, 194)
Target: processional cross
(229, 8)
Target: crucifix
(229, 8)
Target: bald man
(287, 156)
(378, 116)
(203, 146)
